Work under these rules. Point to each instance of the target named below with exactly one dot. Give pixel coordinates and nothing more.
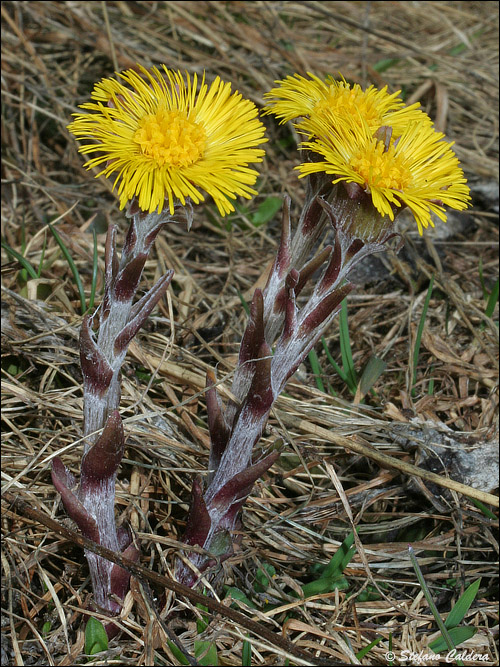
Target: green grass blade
(94, 272)
(96, 639)
(323, 585)
(458, 49)
(266, 211)
(331, 577)
(72, 267)
(337, 563)
(420, 330)
(373, 370)
(430, 388)
(22, 260)
(42, 257)
(462, 605)
(206, 653)
(316, 369)
(487, 512)
(361, 654)
(24, 277)
(332, 361)
(348, 558)
(243, 302)
(391, 662)
(264, 577)
(202, 623)
(23, 236)
(236, 594)
(385, 64)
(246, 654)
(458, 635)
(481, 280)
(444, 630)
(177, 653)
(345, 349)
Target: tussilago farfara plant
(165, 142)
(365, 157)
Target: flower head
(417, 168)
(314, 99)
(165, 141)
(368, 137)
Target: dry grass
(445, 55)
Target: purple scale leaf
(73, 506)
(141, 312)
(332, 271)
(119, 579)
(217, 426)
(111, 269)
(318, 186)
(354, 191)
(110, 258)
(292, 279)
(124, 537)
(282, 262)
(63, 475)
(236, 490)
(131, 238)
(198, 522)
(353, 249)
(313, 213)
(133, 208)
(290, 324)
(325, 308)
(127, 280)
(101, 461)
(281, 298)
(254, 332)
(260, 395)
(160, 285)
(308, 270)
(97, 373)
(279, 302)
(151, 237)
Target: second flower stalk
(275, 321)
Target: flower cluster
(370, 139)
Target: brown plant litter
(402, 466)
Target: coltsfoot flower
(417, 169)
(369, 138)
(166, 142)
(299, 98)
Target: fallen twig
(144, 575)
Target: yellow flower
(313, 99)
(417, 169)
(166, 142)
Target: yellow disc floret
(169, 138)
(381, 168)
